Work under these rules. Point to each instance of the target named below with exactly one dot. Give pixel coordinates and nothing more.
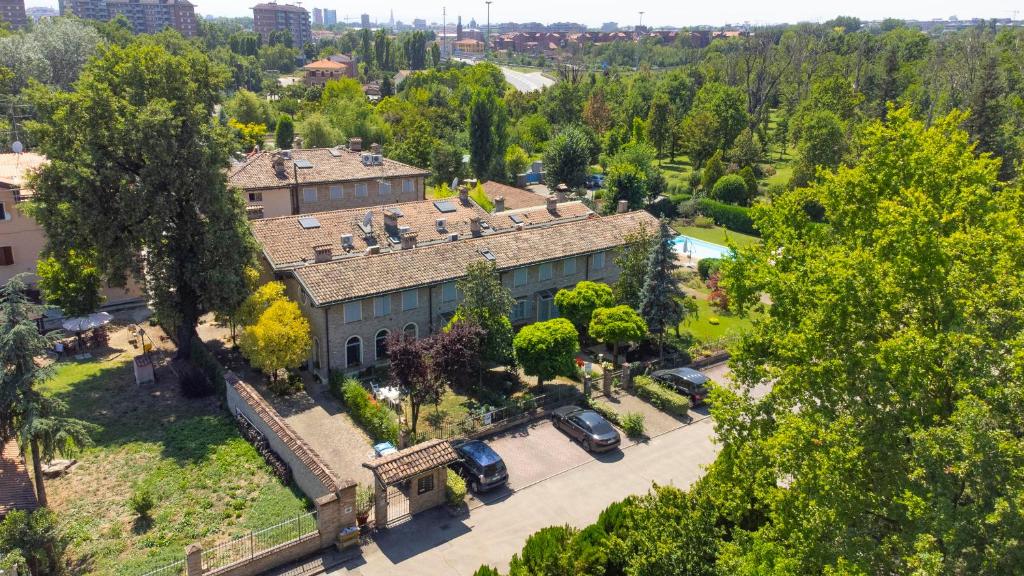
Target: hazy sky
(657, 12)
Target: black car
(686, 381)
(587, 427)
(480, 466)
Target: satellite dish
(17, 147)
(455, 183)
(368, 218)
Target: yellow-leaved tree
(278, 340)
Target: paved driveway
(434, 543)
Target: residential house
(361, 275)
(321, 72)
(318, 179)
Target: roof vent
(373, 250)
(453, 237)
(355, 144)
(441, 224)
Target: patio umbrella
(83, 323)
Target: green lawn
(208, 483)
(677, 170)
(717, 235)
(705, 331)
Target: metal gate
(398, 503)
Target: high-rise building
(13, 13)
(318, 16)
(146, 16)
(458, 29)
(330, 17)
(365, 20)
(419, 23)
(271, 17)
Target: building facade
(12, 12)
(321, 72)
(315, 180)
(145, 16)
(330, 17)
(270, 17)
(395, 270)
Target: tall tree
(488, 304)
(71, 282)
(632, 260)
(887, 443)
(409, 369)
(487, 134)
(567, 159)
(284, 134)
(661, 302)
(659, 124)
(140, 133)
(279, 339)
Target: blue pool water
(699, 249)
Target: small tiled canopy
(413, 461)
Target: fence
(513, 412)
(176, 568)
(247, 546)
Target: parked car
(586, 427)
(686, 381)
(595, 181)
(480, 466)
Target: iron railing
(481, 422)
(248, 546)
(176, 568)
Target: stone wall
(433, 498)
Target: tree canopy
(547, 349)
(578, 303)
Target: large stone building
(323, 71)
(271, 17)
(360, 275)
(12, 12)
(318, 179)
(146, 16)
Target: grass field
(704, 330)
(207, 482)
(717, 235)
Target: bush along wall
(376, 419)
(735, 218)
(661, 397)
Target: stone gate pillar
(380, 505)
(194, 560)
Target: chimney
(499, 204)
(254, 212)
(391, 221)
(552, 205)
(279, 166)
(297, 143)
(408, 241)
(322, 253)
(623, 206)
(375, 148)
(474, 226)
(355, 144)
(464, 195)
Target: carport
(410, 481)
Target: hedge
(376, 419)
(454, 489)
(661, 397)
(708, 266)
(736, 218)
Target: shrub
(731, 188)
(543, 551)
(364, 498)
(660, 397)
(606, 411)
(708, 266)
(486, 571)
(695, 178)
(663, 207)
(141, 502)
(633, 424)
(732, 217)
(703, 222)
(688, 208)
(378, 422)
(208, 364)
(192, 381)
(455, 489)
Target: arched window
(381, 345)
(353, 352)
(411, 330)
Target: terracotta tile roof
(356, 278)
(14, 168)
(287, 244)
(514, 197)
(304, 452)
(329, 165)
(413, 461)
(16, 491)
(324, 65)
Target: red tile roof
(329, 165)
(413, 461)
(515, 198)
(16, 490)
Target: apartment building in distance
(360, 275)
(12, 12)
(301, 181)
(270, 17)
(145, 16)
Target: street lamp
(487, 37)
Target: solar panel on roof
(309, 222)
(516, 218)
(444, 206)
(303, 164)
(486, 253)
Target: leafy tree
(279, 57)
(547, 349)
(626, 182)
(617, 325)
(745, 150)
(516, 161)
(284, 134)
(893, 343)
(822, 145)
(747, 173)
(435, 55)
(632, 260)
(52, 52)
(487, 134)
(488, 304)
(455, 352)
(250, 136)
(732, 188)
(713, 170)
(387, 87)
(317, 132)
(578, 304)
(661, 302)
(659, 124)
(157, 156)
(71, 282)
(280, 339)
(249, 108)
(727, 106)
(696, 136)
(445, 162)
(567, 159)
(36, 537)
(260, 301)
(409, 369)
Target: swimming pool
(697, 250)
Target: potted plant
(364, 503)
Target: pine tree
(284, 136)
(660, 304)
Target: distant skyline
(656, 13)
